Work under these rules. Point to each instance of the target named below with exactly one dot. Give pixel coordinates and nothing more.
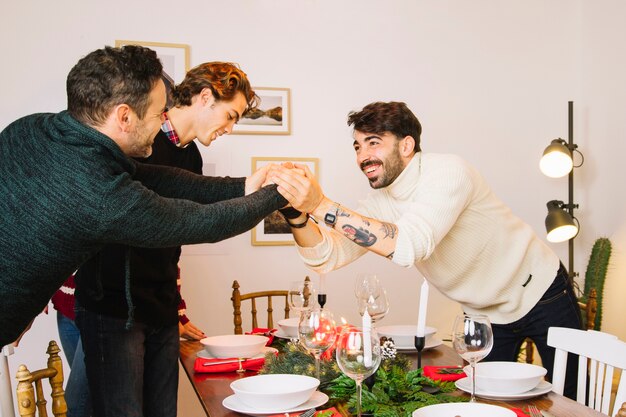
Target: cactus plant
(595, 274)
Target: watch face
(330, 218)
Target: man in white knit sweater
(436, 212)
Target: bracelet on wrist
(290, 213)
(299, 225)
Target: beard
(392, 167)
(141, 141)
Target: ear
(124, 117)
(407, 146)
(206, 97)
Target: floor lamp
(558, 161)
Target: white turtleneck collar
(405, 184)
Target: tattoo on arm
(365, 221)
(342, 213)
(389, 229)
(360, 236)
(390, 256)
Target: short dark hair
(225, 79)
(111, 76)
(394, 117)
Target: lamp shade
(559, 224)
(557, 160)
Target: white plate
(464, 409)
(430, 343)
(282, 335)
(465, 384)
(232, 403)
(206, 355)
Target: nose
(361, 157)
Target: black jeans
(557, 307)
(131, 373)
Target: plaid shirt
(168, 129)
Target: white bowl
(289, 326)
(463, 409)
(506, 377)
(274, 391)
(403, 334)
(234, 345)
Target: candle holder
(420, 342)
(321, 299)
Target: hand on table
(190, 332)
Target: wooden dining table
(212, 388)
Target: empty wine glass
(317, 331)
(301, 295)
(358, 356)
(366, 284)
(472, 338)
(372, 296)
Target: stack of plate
(274, 394)
(403, 336)
(506, 380)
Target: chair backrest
(31, 399)
(599, 354)
(237, 298)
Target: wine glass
(301, 295)
(372, 296)
(366, 284)
(317, 331)
(358, 356)
(472, 338)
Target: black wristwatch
(331, 217)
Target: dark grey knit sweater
(66, 190)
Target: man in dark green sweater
(68, 185)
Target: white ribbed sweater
(458, 234)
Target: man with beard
(436, 212)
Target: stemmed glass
(301, 298)
(358, 356)
(372, 296)
(317, 331)
(472, 338)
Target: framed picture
(173, 56)
(274, 230)
(271, 117)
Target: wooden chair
(29, 399)
(598, 356)
(237, 298)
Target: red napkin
(264, 332)
(334, 411)
(432, 372)
(519, 412)
(204, 365)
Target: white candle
(421, 318)
(367, 344)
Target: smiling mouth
(371, 170)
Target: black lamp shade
(557, 160)
(559, 224)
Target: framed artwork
(271, 117)
(173, 56)
(274, 230)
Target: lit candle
(367, 344)
(421, 318)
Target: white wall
(489, 80)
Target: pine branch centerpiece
(396, 390)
